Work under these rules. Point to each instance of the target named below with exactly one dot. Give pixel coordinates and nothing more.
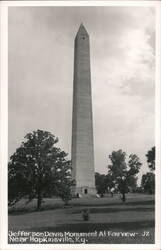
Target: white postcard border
(4, 125)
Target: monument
(82, 123)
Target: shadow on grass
(121, 206)
(128, 203)
(114, 210)
(22, 210)
(89, 227)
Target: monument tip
(82, 30)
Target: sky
(41, 60)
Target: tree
(101, 183)
(65, 190)
(148, 179)
(123, 173)
(38, 168)
(148, 183)
(151, 158)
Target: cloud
(41, 49)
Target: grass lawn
(110, 222)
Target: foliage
(101, 183)
(38, 168)
(123, 172)
(65, 189)
(139, 190)
(151, 158)
(148, 183)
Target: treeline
(122, 174)
(40, 169)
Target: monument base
(83, 191)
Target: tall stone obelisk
(82, 123)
